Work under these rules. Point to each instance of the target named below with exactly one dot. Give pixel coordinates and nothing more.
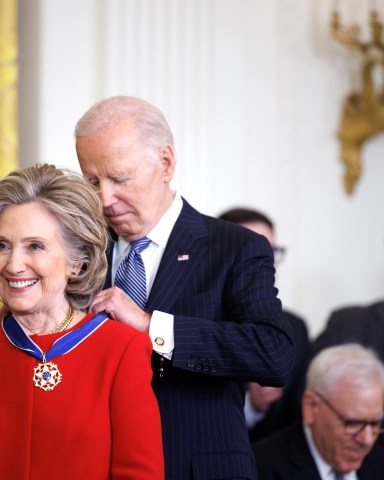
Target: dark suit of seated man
(359, 323)
(342, 412)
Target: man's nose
(106, 194)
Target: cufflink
(159, 341)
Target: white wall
(253, 91)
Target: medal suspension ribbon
(46, 374)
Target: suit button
(205, 367)
(198, 365)
(191, 363)
(213, 368)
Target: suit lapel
(184, 252)
(300, 456)
(306, 472)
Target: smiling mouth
(23, 284)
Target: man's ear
(167, 159)
(309, 408)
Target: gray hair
(150, 124)
(359, 365)
(77, 208)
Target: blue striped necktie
(130, 275)
(339, 476)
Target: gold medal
(46, 376)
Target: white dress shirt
(326, 471)
(161, 323)
(251, 415)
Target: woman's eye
(36, 246)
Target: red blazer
(101, 422)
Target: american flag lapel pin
(182, 258)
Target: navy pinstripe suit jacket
(229, 328)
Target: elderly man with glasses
(342, 410)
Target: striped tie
(130, 275)
(339, 476)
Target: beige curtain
(8, 86)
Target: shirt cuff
(161, 333)
(251, 415)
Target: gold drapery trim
(8, 86)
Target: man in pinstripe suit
(212, 310)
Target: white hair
(151, 126)
(360, 365)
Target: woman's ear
(73, 271)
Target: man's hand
(262, 397)
(119, 306)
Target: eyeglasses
(353, 426)
(279, 253)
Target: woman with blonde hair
(76, 400)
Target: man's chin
(115, 221)
(120, 229)
(352, 464)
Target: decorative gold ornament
(363, 111)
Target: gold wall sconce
(362, 114)
(8, 86)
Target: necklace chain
(67, 320)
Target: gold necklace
(67, 320)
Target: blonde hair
(74, 203)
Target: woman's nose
(15, 262)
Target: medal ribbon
(17, 336)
